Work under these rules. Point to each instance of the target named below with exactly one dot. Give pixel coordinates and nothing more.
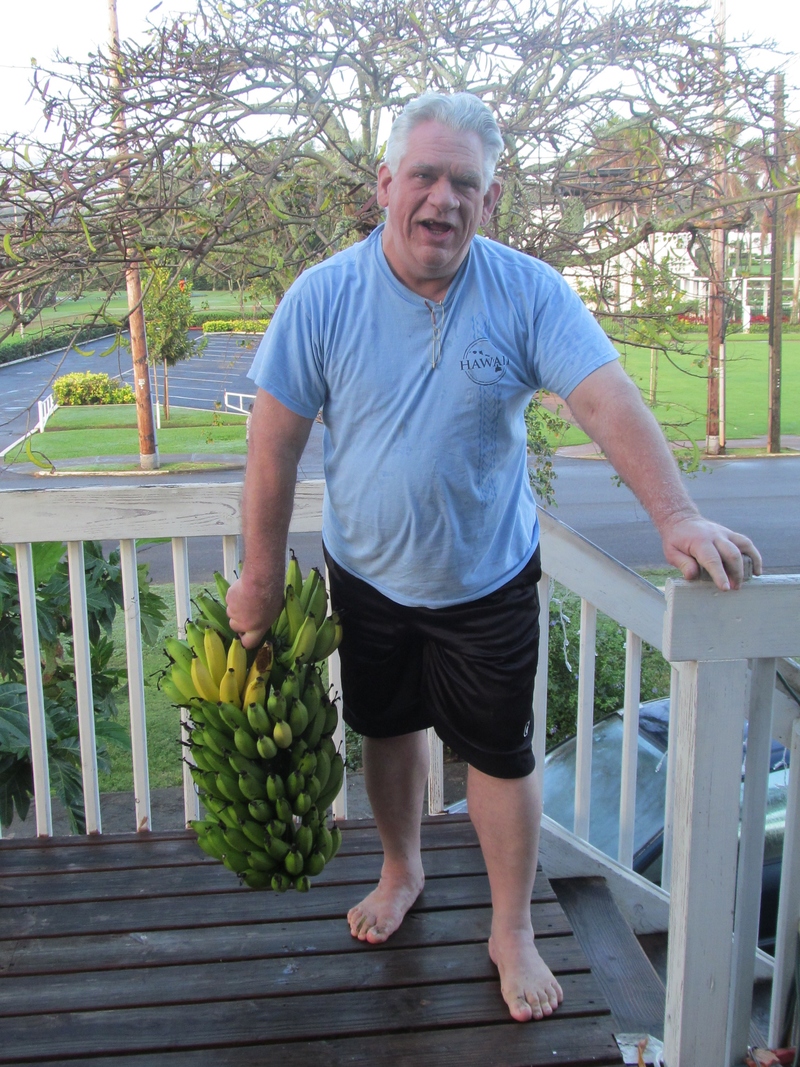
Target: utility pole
(776, 280)
(715, 426)
(148, 449)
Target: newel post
(712, 635)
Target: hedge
(88, 388)
(235, 325)
(33, 345)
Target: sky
(36, 29)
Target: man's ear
(384, 181)
(490, 198)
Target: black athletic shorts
(468, 671)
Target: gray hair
(459, 111)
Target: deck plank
(140, 950)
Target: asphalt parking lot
(199, 382)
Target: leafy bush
(90, 388)
(609, 688)
(235, 325)
(104, 596)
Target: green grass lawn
(72, 312)
(110, 430)
(682, 387)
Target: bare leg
(395, 772)
(506, 814)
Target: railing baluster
(583, 751)
(230, 556)
(789, 906)
(183, 611)
(435, 774)
(751, 855)
(669, 802)
(540, 689)
(630, 747)
(83, 685)
(33, 682)
(133, 645)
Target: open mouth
(434, 227)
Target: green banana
(233, 717)
(238, 862)
(216, 614)
(323, 643)
(258, 718)
(281, 882)
(331, 719)
(183, 683)
(333, 785)
(298, 718)
(244, 742)
(170, 690)
(237, 840)
(228, 786)
(294, 576)
(302, 884)
(311, 582)
(303, 645)
(293, 862)
(262, 810)
(294, 613)
(301, 804)
(283, 810)
(324, 842)
(262, 861)
(256, 879)
(336, 837)
(216, 740)
(277, 707)
(250, 787)
(299, 752)
(242, 765)
(179, 652)
(255, 832)
(290, 687)
(315, 864)
(275, 787)
(318, 604)
(304, 840)
(295, 783)
(323, 769)
(222, 584)
(266, 747)
(313, 788)
(195, 638)
(314, 730)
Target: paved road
(200, 382)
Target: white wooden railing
(45, 409)
(722, 648)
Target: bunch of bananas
(260, 745)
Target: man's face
(436, 205)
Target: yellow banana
(184, 681)
(229, 688)
(216, 656)
(261, 665)
(255, 692)
(237, 662)
(205, 685)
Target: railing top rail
(157, 509)
(592, 574)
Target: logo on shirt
(482, 363)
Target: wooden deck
(139, 950)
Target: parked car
(648, 838)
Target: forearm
(608, 407)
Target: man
(423, 345)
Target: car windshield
(559, 787)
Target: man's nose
(442, 195)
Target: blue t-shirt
(427, 491)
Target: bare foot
(381, 912)
(526, 982)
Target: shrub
(34, 344)
(90, 388)
(235, 325)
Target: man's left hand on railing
(692, 542)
